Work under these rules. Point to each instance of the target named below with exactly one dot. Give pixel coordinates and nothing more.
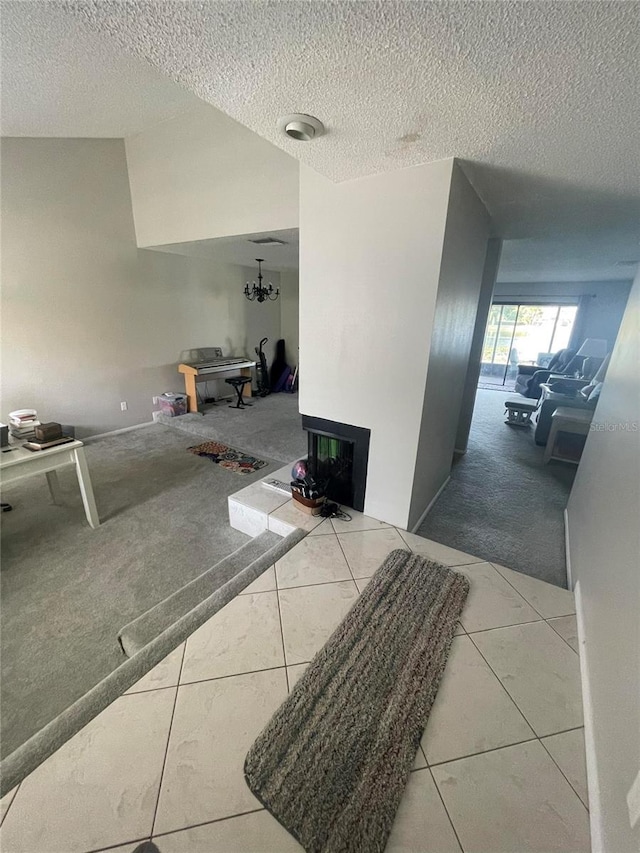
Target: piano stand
(239, 382)
(194, 373)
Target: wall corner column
(489, 275)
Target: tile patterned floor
(501, 765)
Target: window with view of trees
(523, 333)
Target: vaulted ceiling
(538, 99)
(60, 79)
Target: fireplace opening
(338, 456)
(331, 461)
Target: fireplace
(338, 455)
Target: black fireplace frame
(359, 437)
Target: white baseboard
(429, 508)
(567, 550)
(595, 808)
(91, 438)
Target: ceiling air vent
(268, 241)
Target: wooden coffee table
(18, 463)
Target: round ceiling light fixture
(302, 128)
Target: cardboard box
(311, 507)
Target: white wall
(203, 175)
(463, 256)
(603, 520)
(370, 252)
(491, 263)
(600, 315)
(289, 314)
(88, 319)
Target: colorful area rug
(228, 457)
(332, 764)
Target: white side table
(19, 463)
(566, 420)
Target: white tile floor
(501, 767)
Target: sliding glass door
(519, 333)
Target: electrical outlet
(123, 407)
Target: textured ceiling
(58, 79)
(538, 99)
(239, 250)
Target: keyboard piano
(214, 368)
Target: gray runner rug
(332, 764)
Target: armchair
(531, 376)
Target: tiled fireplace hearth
(337, 452)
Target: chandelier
(257, 291)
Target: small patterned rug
(333, 762)
(228, 457)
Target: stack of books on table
(22, 424)
(25, 426)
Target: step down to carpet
(150, 624)
(45, 742)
